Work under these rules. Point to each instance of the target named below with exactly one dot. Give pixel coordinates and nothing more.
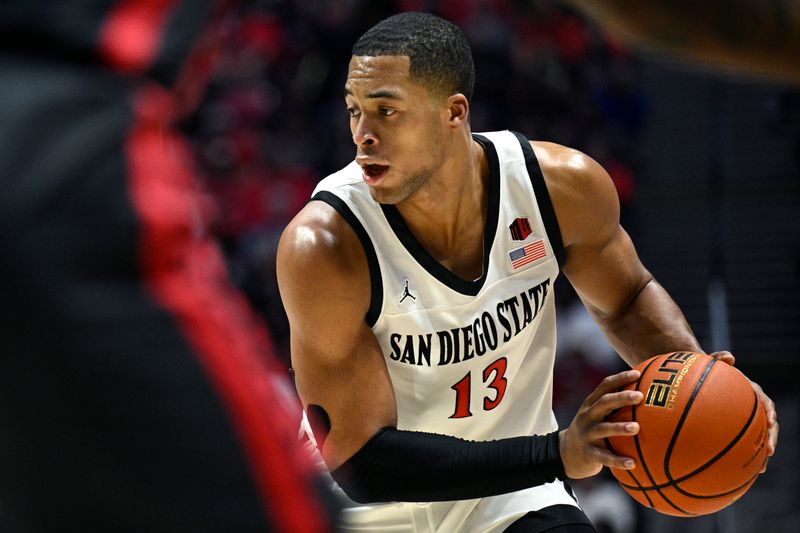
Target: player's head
(408, 89)
(439, 54)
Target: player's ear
(458, 110)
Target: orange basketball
(702, 437)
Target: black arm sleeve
(397, 465)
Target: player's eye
(353, 112)
(386, 111)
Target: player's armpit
(338, 364)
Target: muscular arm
(325, 287)
(637, 315)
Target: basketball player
(419, 289)
(137, 393)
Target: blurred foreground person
(137, 392)
(741, 37)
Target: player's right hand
(583, 451)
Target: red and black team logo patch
(520, 229)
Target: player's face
(398, 126)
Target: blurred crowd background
(273, 123)
(706, 167)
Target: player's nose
(363, 134)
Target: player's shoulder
(321, 263)
(571, 175)
(319, 237)
(566, 164)
(583, 196)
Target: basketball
(702, 438)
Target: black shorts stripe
(553, 519)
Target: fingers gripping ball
(702, 437)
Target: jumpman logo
(406, 294)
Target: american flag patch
(527, 254)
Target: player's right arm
(339, 367)
(338, 364)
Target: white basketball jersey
(467, 358)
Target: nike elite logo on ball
(664, 389)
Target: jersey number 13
(493, 378)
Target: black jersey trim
(376, 298)
(543, 199)
(421, 255)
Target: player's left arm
(637, 315)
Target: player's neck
(448, 214)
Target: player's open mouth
(373, 172)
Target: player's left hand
(769, 408)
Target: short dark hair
(439, 53)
